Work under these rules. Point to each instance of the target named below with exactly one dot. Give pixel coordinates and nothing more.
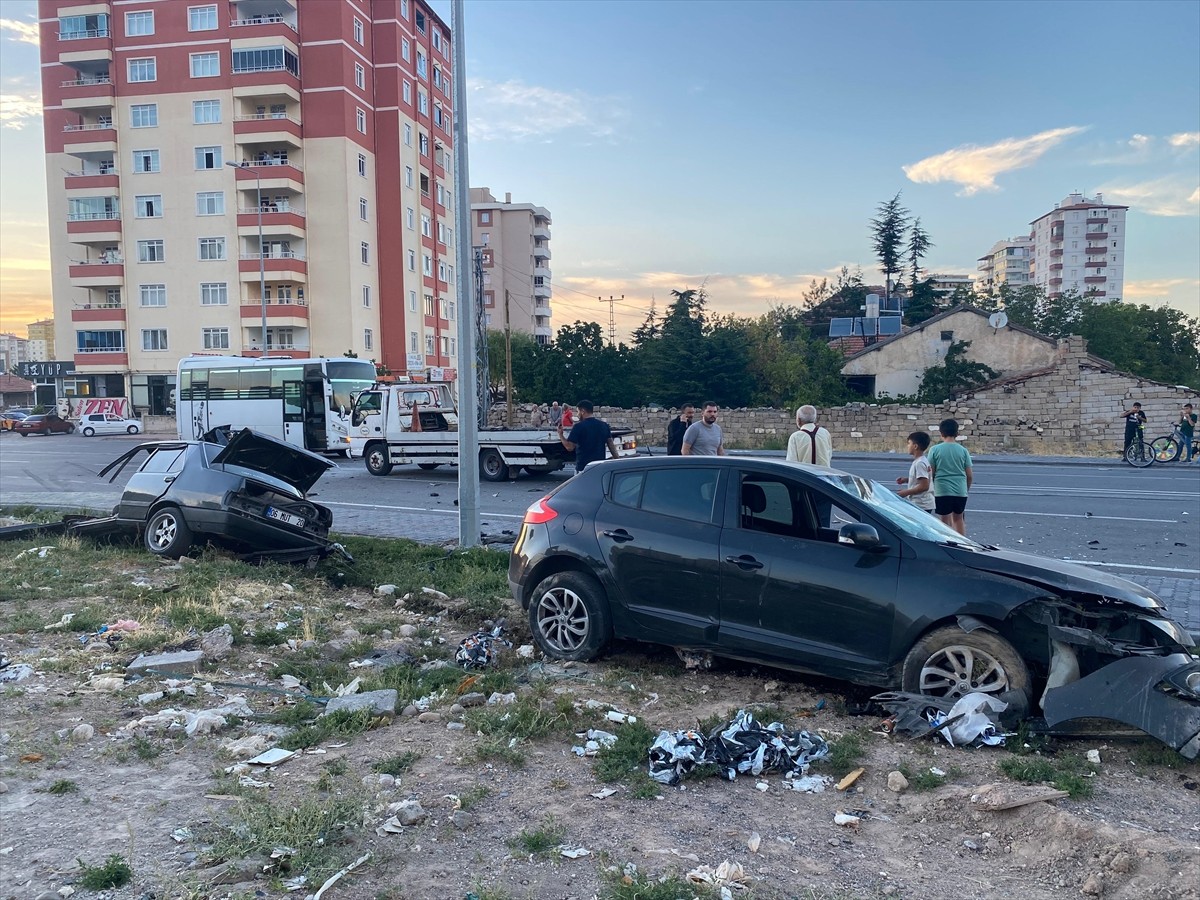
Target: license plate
(286, 518)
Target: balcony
(1057, 251)
(541, 233)
(542, 310)
(113, 314)
(96, 273)
(94, 361)
(1056, 235)
(85, 92)
(267, 25)
(543, 273)
(278, 314)
(274, 222)
(1056, 267)
(85, 47)
(266, 129)
(1097, 235)
(1092, 251)
(541, 251)
(95, 226)
(1094, 264)
(1095, 279)
(99, 137)
(273, 175)
(90, 181)
(541, 292)
(1097, 220)
(283, 267)
(542, 331)
(1056, 281)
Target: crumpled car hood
(1057, 575)
(262, 453)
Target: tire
(375, 456)
(70, 429)
(89, 431)
(1139, 455)
(492, 466)
(428, 467)
(937, 664)
(1165, 449)
(542, 470)
(132, 429)
(569, 617)
(23, 433)
(167, 534)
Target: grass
(1156, 754)
(925, 780)
(343, 723)
(473, 797)
(845, 755)
(396, 765)
(504, 728)
(1068, 772)
(640, 886)
(62, 786)
(627, 760)
(112, 873)
(541, 840)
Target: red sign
(113, 406)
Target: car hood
(1057, 575)
(262, 453)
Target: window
(154, 339)
(453, 347)
(362, 165)
(366, 295)
(151, 251)
(206, 112)
(214, 293)
(358, 31)
(429, 345)
(368, 339)
(422, 102)
(212, 248)
(153, 294)
(139, 23)
(408, 176)
(436, 39)
(210, 203)
(414, 345)
(441, 271)
(202, 18)
(143, 115)
(425, 224)
(100, 341)
(420, 21)
(407, 135)
(422, 65)
(265, 59)
(947, 335)
(430, 306)
(451, 310)
(412, 303)
(426, 264)
(424, 145)
(485, 218)
(407, 91)
(148, 206)
(445, 346)
(71, 28)
(410, 218)
(412, 261)
(360, 75)
(360, 121)
(142, 69)
(215, 338)
(82, 209)
(364, 253)
(362, 208)
(208, 158)
(404, 49)
(281, 338)
(679, 493)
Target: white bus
(305, 402)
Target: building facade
(13, 350)
(41, 340)
(207, 160)
(1080, 245)
(1006, 263)
(515, 242)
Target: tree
(888, 229)
(919, 245)
(953, 375)
(923, 304)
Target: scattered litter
(337, 876)
(694, 659)
(204, 721)
(934, 770)
(481, 649)
(61, 623)
(604, 793)
(295, 884)
(1093, 756)
(525, 651)
(498, 699)
(180, 835)
(39, 552)
(692, 857)
(846, 820)
(247, 781)
(850, 779)
(291, 682)
(150, 697)
(273, 757)
(32, 758)
(762, 786)
(106, 682)
(970, 721)
(595, 741)
(13, 674)
(743, 745)
(385, 590)
(808, 784)
(572, 852)
(754, 841)
(434, 593)
(345, 690)
(619, 717)
(727, 874)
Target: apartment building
(1080, 245)
(205, 159)
(515, 238)
(41, 340)
(13, 350)
(1006, 263)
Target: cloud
(16, 109)
(22, 32)
(1140, 140)
(515, 111)
(1185, 139)
(1160, 287)
(1170, 195)
(976, 168)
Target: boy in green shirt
(952, 477)
(1187, 427)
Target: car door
(789, 591)
(658, 530)
(150, 482)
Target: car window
(112, 419)
(683, 493)
(167, 460)
(775, 504)
(627, 488)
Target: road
(1143, 524)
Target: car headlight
(1185, 680)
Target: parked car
(11, 417)
(107, 423)
(47, 424)
(820, 571)
(249, 494)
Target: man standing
(1187, 427)
(676, 429)
(536, 417)
(950, 464)
(1134, 420)
(704, 438)
(588, 438)
(812, 444)
(555, 414)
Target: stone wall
(1069, 408)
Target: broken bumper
(1158, 694)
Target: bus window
(346, 377)
(293, 401)
(223, 384)
(254, 384)
(185, 384)
(282, 374)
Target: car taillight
(541, 511)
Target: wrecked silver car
(249, 494)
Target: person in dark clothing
(588, 438)
(1134, 419)
(676, 427)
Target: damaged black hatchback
(248, 492)
(820, 571)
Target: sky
(744, 147)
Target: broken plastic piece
(481, 649)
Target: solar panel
(889, 324)
(865, 326)
(841, 327)
(889, 304)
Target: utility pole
(481, 343)
(612, 321)
(508, 385)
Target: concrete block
(183, 662)
(381, 703)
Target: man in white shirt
(811, 444)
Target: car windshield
(899, 513)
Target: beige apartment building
(515, 238)
(1006, 263)
(41, 340)
(1080, 245)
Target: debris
(846, 820)
(603, 793)
(481, 649)
(762, 786)
(385, 590)
(972, 720)
(340, 874)
(498, 699)
(727, 874)
(754, 842)
(850, 779)
(572, 852)
(997, 797)
(694, 659)
(61, 623)
(13, 674)
(203, 721)
(32, 758)
(150, 697)
(619, 717)
(184, 662)
(39, 552)
(525, 651)
(180, 835)
(1093, 756)
(435, 594)
(897, 783)
(217, 643)
(808, 784)
(408, 812)
(345, 690)
(273, 757)
(106, 682)
(381, 703)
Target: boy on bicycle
(1187, 427)
(1134, 420)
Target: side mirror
(864, 537)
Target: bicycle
(1139, 454)
(1168, 447)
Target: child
(920, 477)
(952, 477)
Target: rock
(455, 710)
(475, 698)
(387, 781)
(461, 819)
(406, 631)
(182, 662)
(385, 590)
(1122, 864)
(970, 845)
(897, 783)
(427, 717)
(410, 711)
(3, 788)
(381, 703)
(456, 726)
(217, 643)
(1093, 886)
(81, 734)
(410, 812)
(1093, 756)
(47, 895)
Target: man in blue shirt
(588, 438)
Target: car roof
(722, 461)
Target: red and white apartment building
(337, 119)
(1080, 245)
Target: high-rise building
(1006, 263)
(13, 350)
(1080, 245)
(203, 158)
(515, 238)
(41, 340)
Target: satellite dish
(998, 319)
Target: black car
(820, 571)
(249, 493)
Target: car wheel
(569, 616)
(132, 429)
(492, 466)
(167, 534)
(89, 431)
(428, 467)
(23, 433)
(376, 458)
(70, 429)
(949, 662)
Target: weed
(396, 765)
(62, 786)
(343, 723)
(267, 636)
(923, 779)
(479, 892)
(541, 840)
(113, 872)
(506, 751)
(293, 714)
(640, 886)
(845, 753)
(337, 767)
(474, 796)
(1068, 773)
(527, 719)
(1156, 754)
(1026, 741)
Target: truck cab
(386, 410)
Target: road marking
(1088, 562)
(422, 509)
(1049, 515)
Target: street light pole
(262, 264)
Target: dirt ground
(162, 800)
